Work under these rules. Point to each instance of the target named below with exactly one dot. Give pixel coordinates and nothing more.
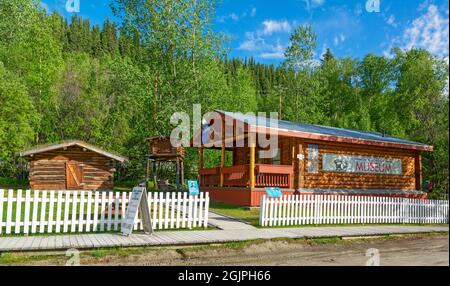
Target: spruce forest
(117, 84)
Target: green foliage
(116, 85)
(17, 118)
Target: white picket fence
(347, 209)
(24, 212)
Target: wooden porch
(264, 175)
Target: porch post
(222, 155)
(418, 171)
(301, 165)
(292, 176)
(252, 166)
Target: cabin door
(74, 176)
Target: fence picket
(88, 211)
(155, 209)
(26, 217)
(81, 212)
(51, 213)
(96, 203)
(59, 202)
(205, 217)
(73, 221)
(189, 219)
(166, 208)
(9, 212)
(116, 210)
(66, 212)
(102, 211)
(178, 211)
(35, 212)
(2, 200)
(172, 211)
(200, 209)
(184, 216)
(18, 211)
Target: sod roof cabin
(71, 165)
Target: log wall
(291, 147)
(48, 169)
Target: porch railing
(274, 176)
(238, 176)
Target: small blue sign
(193, 188)
(273, 192)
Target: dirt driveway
(413, 250)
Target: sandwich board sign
(273, 192)
(138, 201)
(193, 188)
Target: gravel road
(416, 250)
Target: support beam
(177, 176)
(292, 181)
(301, 166)
(182, 172)
(155, 175)
(147, 171)
(418, 171)
(252, 166)
(222, 155)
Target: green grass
(250, 215)
(13, 183)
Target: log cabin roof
(326, 133)
(65, 144)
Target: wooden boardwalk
(87, 241)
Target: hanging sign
(193, 188)
(361, 164)
(138, 201)
(273, 192)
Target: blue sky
(261, 28)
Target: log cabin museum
(71, 165)
(309, 159)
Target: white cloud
(234, 17)
(429, 31)
(317, 3)
(263, 42)
(273, 26)
(313, 3)
(276, 52)
(339, 39)
(391, 21)
(259, 47)
(231, 16)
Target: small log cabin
(309, 159)
(72, 165)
